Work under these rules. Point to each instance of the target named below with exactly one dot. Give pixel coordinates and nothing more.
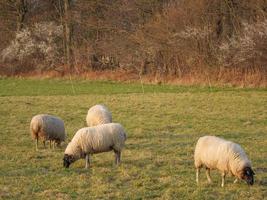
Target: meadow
(162, 122)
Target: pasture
(163, 124)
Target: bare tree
(22, 9)
(67, 31)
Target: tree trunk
(67, 32)
(22, 9)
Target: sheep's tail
(35, 129)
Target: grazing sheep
(228, 157)
(98, 114)
(96, 139)
(47, 127)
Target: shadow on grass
(261, 170)
(76, 170)
(263, 182)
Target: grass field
(162, 123)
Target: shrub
(38, 45)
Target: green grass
(48, 87)
(162, 124)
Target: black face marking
(67, 160)
(247, 175)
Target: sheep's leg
(223, 178)
(236, 180)
(208, 175)
(50, 144)
(57, 144)
(117, 157)
(197, 175)
(54, 143)
(87, 161)
(36, 144)
(44, 143)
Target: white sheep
(96, 139)
(98, 114)
(228, 157)
(47, 127)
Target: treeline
(187, 40)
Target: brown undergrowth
(236, 77)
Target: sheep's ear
(71, 158)
(248, 171)
(251, 171)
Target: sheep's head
(67, 160)
(247, 175)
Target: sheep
(216, 153)
(98, 114)
(47, 127)
(96, 139)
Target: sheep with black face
(215, 153)
(96, 139)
